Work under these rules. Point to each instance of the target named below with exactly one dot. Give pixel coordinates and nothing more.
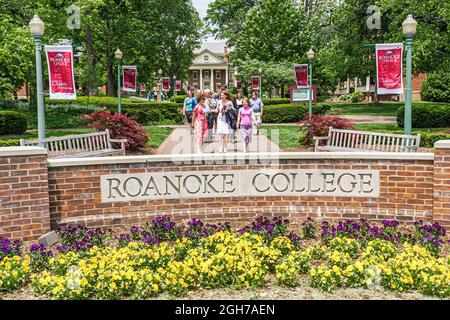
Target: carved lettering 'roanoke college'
(202, 184)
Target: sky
(201, 6)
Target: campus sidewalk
(182, 141)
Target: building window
(218, 85)
(206, 74)
(194, 75)
(231, 75)
(218, 75)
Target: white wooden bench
(81, 145)
(351, 140)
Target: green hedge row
(427, 115)
(145, 115)
(12, 122)
(9, 143)
(56, 116)
(110, 102)
(282, 113)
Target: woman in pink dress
(199, 123)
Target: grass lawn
(289, 135)
(156, 135)
(379, 109)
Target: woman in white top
(239, 101)
(223, 121)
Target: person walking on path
(224, 121)
(199, 124)
(239, 101)
(209, 115)
(246, 117)
(257, 107)
(188, 107)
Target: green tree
(225, 18)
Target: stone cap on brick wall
(442, 144)
(21, 151)
(266, 156)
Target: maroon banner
(178, 85)
(255, 83)
(60, 70)
(389, 68)
(129, 78)
(165, 84)
(238, 85)
(301, 75)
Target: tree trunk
(92, 87)
(110, 86)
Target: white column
(356, 83)
(368, 83)
(226, 76)
(201, 79)
(348, 85)
(211, 80)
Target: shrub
(163, 113)
(12, 122)
(318, 126)
(426, 115)
(282, 113)
(428, 139)
(120, 127)
(9, 143)
(437, 86)
(276, 101)
(353, 97)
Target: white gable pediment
(207, 57)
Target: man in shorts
(257, 105)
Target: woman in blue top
(188, 107)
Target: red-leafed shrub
(120, 127)
(318, 126)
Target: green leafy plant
(427, 115)
(437, 86)
(12, 122)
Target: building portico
(211, 70)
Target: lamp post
(409, 30)
(174, 89)
(37, 30)
(118, 55)
(311, 54)
(160, 85)
(260, 82)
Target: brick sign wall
(132, 190)
(24, 202)
(405, 190)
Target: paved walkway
(372, 119)
(181, 141)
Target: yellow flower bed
(14, 272)
(229, 260)
(139, 271)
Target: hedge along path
(181, 141)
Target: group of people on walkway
(208, 116)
